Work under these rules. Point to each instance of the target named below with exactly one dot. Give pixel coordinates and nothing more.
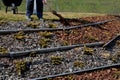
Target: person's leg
(39, 4)
(29, 7)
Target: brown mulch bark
(103, 32)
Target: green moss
(116, 75)
(46, 34)
(2, 22)
(56, 60)
(78, 64)
(91, 38)
(44, 42)
(65, 43)
(20, 67)
(69, 77)
(19, 35)
(52, 25)
(88, 51)
(33, 24)
(32, 54)
(3, 50)
(45, 38)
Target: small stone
(105, 55)
(108, 71)
(114, 69)
(70, 69)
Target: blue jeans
(39, 7)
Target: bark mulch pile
(103, 32)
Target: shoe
(28, 18)
(41, 20)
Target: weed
(32, 54)
(2, 22)
(19, 35)
(65, 43)
(21, 67)
(91, 38)
(3, 50)
(78, 64)
(43, 42)
(116, 75)
(88, 51)
(70, 77)
(52, 25)
(46, 34)
(56, 60)
(33, 24)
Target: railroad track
(78, 72)
(90, 62)
(56, 29)
(52, 62)
(31, 40)
(48, 50)
(112, 42)
(107, 47)
(43, 66)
